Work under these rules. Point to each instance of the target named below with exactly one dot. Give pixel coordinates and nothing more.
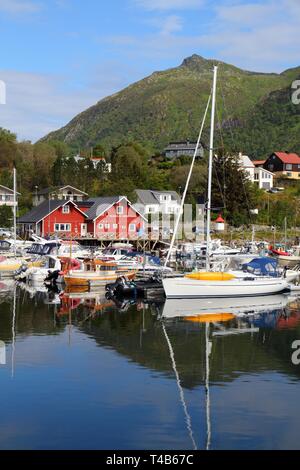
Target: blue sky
(60, 56)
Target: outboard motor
(52, 276)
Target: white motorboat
(37, 275)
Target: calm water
(79, 372)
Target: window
(151, 210)
(100, 226)
(120, 210)
(132, 227)
(107, 226)
(66, 209)
(164, 197)
(115, 226)
(288, 166)
(62, 227)
(289, 174)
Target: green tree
(6, 216)
(232, 191)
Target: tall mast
(211, 154)
(15, 211)
(179, 215)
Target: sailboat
(218, 284)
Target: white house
(7, 196)
(247, 165)
(264, 178)
(157, 202)
(257, 174)
(66, 193)
(96, 161)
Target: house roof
(245, 161)
(258, 162)
(100, 205)
(148, 196)
(285, 157)
(260, 169)
(41, 211)
(5, 188)
(58, 188)
(182, 145)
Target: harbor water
(79, 371)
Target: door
(83, 230)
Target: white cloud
(250, 35)
(168, 25)
(169, 4)
(19, 6)
(38, 104)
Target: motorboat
(286, 258)
(37, 275)
(94, 270)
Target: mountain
(169, 105)
(273, 124)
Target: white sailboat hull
(185, 288)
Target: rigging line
(181, 393)
(187, 183)
(228, 118)
(235, 148)
(219, 184)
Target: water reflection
(162, 371)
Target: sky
(59, 57)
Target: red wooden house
(103, 218)
(62, 218)
(114, 218)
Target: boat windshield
(262, 267)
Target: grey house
(157, 202)
(178, 149)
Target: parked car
(273, 190)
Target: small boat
(9, 265)
(98, 271)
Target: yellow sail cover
(210, 276)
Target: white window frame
(66, 209)
(100, 226)
(289, 167)
(62, 227)
(115, 226)
(107, 226)
(132, 229)
(120, 210)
